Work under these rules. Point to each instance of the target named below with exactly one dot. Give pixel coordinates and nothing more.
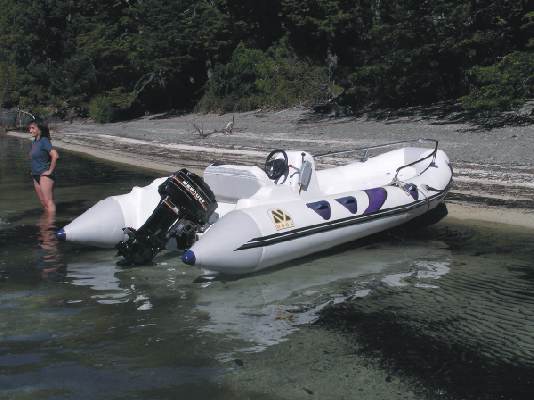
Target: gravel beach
(493, 170)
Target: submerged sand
(493, 170)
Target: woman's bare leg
(39, 193)
(47, 190)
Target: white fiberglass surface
(374, 172)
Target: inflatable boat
(240, 219)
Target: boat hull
(231, 250)
(260, 223)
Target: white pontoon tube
(285, 211)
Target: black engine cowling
(185, 207)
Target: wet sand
(493, 177)
(319, 364)
(469, 211)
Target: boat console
(294, 170)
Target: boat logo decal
(281, 219)
(187, 186)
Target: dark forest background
(122, 58)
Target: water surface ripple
(440, 312)
(474, 335)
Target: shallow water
(446, 311)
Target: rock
(527, 109)
(239, 362)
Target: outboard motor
(186, 204)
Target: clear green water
(442, 312)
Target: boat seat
(231, 183)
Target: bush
(101, 109)
(232, 87)
(109, 107)
(276, 78)
(501, 86)
(367, 86)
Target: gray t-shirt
(40, 154)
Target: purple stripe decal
(412, 190)
(322, 208)
(349, 203)
(377, 198)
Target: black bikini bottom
(37, 178)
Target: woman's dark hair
(43, 127)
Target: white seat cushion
(231, 183)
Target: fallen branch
(229, 126)
(227, 130)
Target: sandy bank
(467, 211)
(494, 171)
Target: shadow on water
(451, 369)
(471, 338)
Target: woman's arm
(53, 158)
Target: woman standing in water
(44, 158)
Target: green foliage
(419, 52)
(101, 109)
(286, 80)
(275, 78)
(111, 106)
(527, 29)
(8, 76)
(502, 86)
(130, 56)
(318, 28)
(32, 38)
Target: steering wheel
(276, 165)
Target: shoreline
(498, 194)
(102, 154)
(519, 217)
